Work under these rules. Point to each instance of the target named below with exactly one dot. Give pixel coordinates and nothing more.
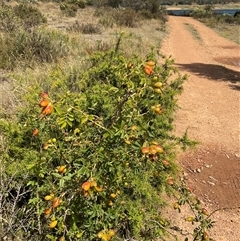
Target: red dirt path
(210, 109)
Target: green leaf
(84, 119)
(63, 125)
(113, 89)
(32, 183)
(57, 175)
(105, 135)
(61, 183)
(30, 166)
(33, 200)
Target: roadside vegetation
(86, 120)
(225, 25)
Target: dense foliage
(95, 155)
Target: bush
(126, 17)
(134, 4)
(26, 48)
(202, 12)
(78, 3)
(30, 15)
(70, 10)
(114, 3)
(96, 162)
(106, 16)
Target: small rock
(198, 170)
(237, 155)
(211, 183)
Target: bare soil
(210, 109)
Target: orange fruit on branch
(86, 185)
(45, 146)
(53, 224)
(150, 63)
(93, 183)
(170, 181)
(56, 202)
(44, 95)
(98, 189)
(111, 232)
(205, 212)
(44, 103)
(48, 197)
(190, 219)
(145, 150)
(35, 132)
(113, 195)
(47, 211)
(159, 148)
(148, 69)
(47, 110)
(62, 169)
(152, 149)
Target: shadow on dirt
(235, 87)
(213, 72)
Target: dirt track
(210, 109)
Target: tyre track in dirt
(210, 109)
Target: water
(186, 12)
(226, 11)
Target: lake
(186, 12)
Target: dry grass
(193, 31)
(231, 32)
(140, 39)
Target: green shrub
(30, 15)
(114, 3)
(78, 3)
(99, 163)
(134, 4)
(106, 16)
(126, 17)
(70, 10)
(24, 48)
(202, 12)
